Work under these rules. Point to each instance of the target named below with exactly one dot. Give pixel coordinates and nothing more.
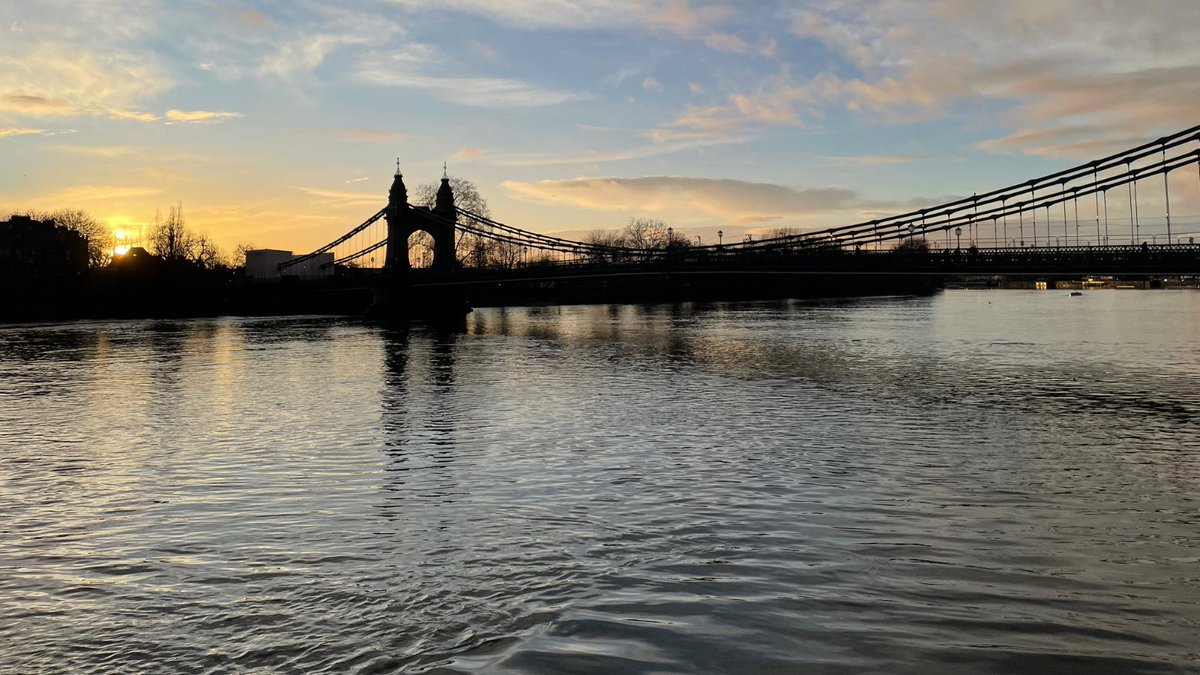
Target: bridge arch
(404, 220)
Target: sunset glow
(279, 124)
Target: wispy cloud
(482, 92)
(469, 153)
(340, 198)
(732, 200)
(133, 115)
(655, 149)
(94, 193)
(1116, 70)
(371, 135)
(673, 16)
(20, 131)
(726, 42)
(201, 116)
(35, 105)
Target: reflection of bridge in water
(1111, 216)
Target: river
(975, 481)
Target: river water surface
(977, 481)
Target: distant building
(32, 248)
(263, 265)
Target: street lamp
(720, 237)
(958, 237)
(670, 236)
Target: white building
(263, 265)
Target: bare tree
(169, 237)
(645, 233)
(171, 240)
(470, 249)
(239, 254)
(610, 239)
(205, 252)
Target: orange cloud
(20, 131)
(184, 116)
(35, 105)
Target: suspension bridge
(1110, 216)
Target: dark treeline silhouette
(67, 263)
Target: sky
(279, 124)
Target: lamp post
(958, 238)
(670, 236)
(720, 237)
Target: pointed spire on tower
(444, 202)
(398, 194)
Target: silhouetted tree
(471, 250)
(171, 240)
(239, 254)
(645, 233)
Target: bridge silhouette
(1110, 216)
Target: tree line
(169, 238)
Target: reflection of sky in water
(998, 479)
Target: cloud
(20, 131)
(732, 200)
(133, 115)
(91, 193)
(1116, 70)
(651, 84)
(371, 135)
(107, 152)
(695, 88)
(658, 148)
(55, 79)
(392, 70)
(35, 105)
(672, 16)
(468, 153)
(202, 116)
(339, 198)
(726, 42)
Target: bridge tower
(396, 258)
(443, 208)
(403, 220)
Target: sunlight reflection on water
(985, 481)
